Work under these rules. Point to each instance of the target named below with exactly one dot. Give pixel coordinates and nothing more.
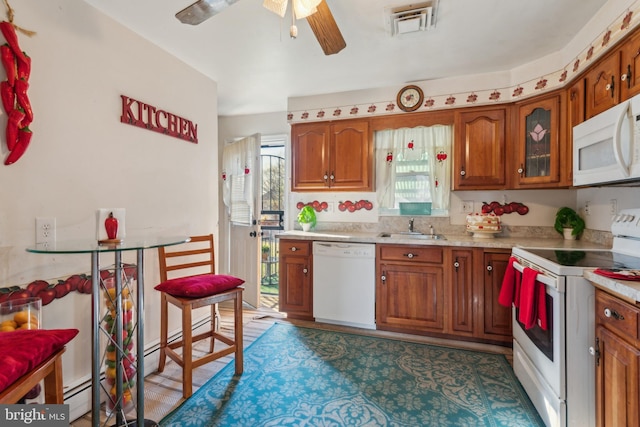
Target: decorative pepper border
(47, 292)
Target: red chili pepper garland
(14, 123)
(13, 93)
(24, 138)
(9, 63)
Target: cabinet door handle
(332, 177)
(410, 255)
(325, 177)
(293, 249)
(305, 270)
(521, 169)
(383, 278)
(462, 173)
(611, 86)
(627, 76)
(489, 268)
(595, 351)
(456, 264)
(612, 313)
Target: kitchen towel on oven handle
(533, 301)
(510, 289)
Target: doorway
(272, 155)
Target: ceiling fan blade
(326, 30)
(202, 10)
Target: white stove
(554, 365)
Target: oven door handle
(547, 280)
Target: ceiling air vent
(412, 18)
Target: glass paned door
(538, 143)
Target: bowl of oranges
(21, 313)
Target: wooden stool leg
(187, 352)
(53, 393)
(164, 313)
(213, 325)
(238, 333)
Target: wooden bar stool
(30, 356)
(50, 371)
(187, 291)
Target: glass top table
(93, 247)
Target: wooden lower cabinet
(409, 288)
(442, 291)
(497, 320)
(296, 287)
(460, 282)
(617, 362)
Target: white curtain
(238, 167)
(431, 143)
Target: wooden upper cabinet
(479, 149)
(351, 157)
(575, 116)
(538, 152)
(603, 85)
(332, 156)
(630, 67)
(310, 154)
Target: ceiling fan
(316, 12)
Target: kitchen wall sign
(146, 116)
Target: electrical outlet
(587, 208)
(45, 230)
(613, 206)
(466, 206)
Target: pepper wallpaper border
(545, 83)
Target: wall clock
(410, 98)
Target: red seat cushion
(22, 351)
(201, 285)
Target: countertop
(625, 289)
(465, 240)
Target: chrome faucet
(411, 225)
(431, 230)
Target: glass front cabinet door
(539, 152)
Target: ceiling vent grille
(412, 18)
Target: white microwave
(606, 148)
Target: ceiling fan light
(304, 8)
(276, 6)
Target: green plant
(568, 218)
(307, 216)
(266, 248)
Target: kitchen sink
(412, 235)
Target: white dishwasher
(344, 283)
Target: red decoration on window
(224, 176)
(441, 156)
(389, 157)
(410, 145)
(246, 170)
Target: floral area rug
(296, 376)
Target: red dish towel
(533, 304)
(510, 289)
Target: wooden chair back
(194, 257)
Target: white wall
(82, 158)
